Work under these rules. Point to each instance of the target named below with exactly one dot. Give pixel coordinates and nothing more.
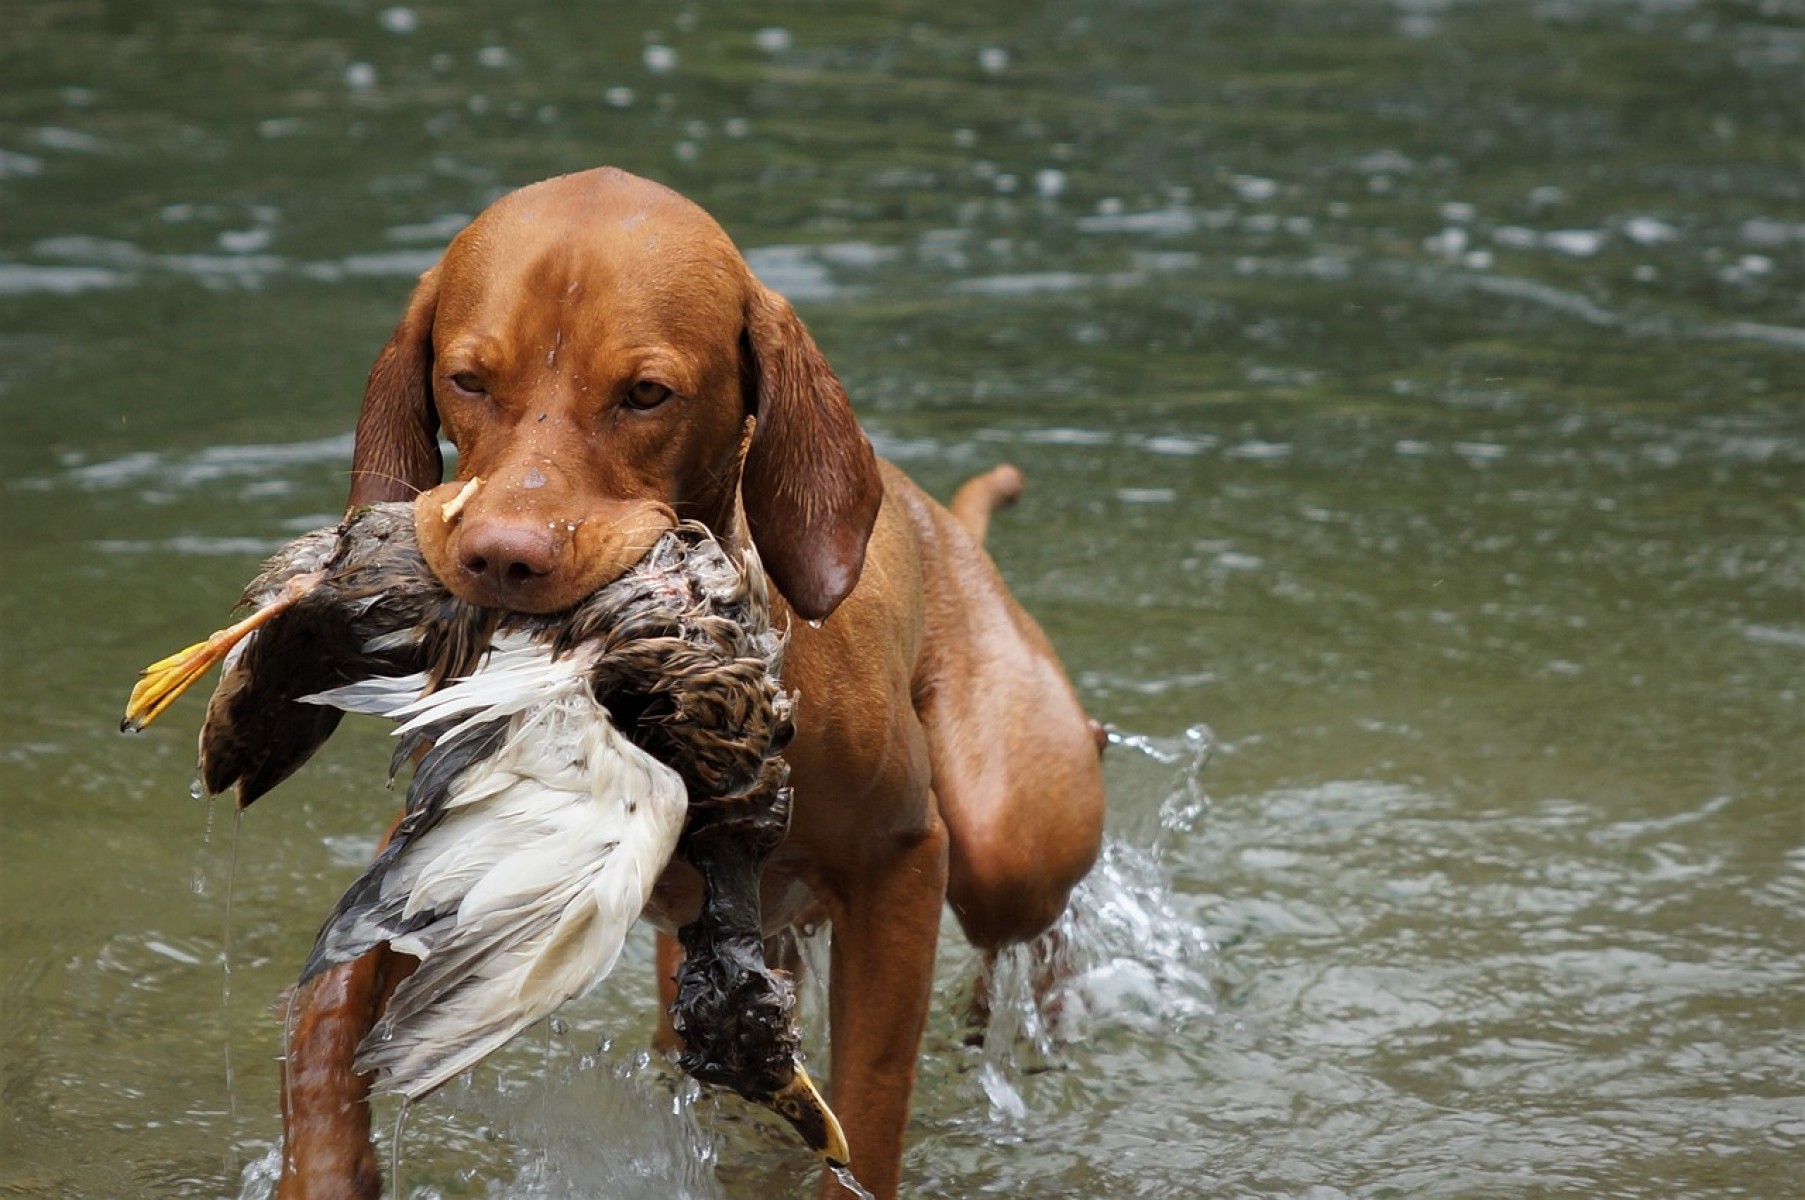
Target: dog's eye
(468, 382)
(646, 394)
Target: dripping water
(225, 983)
(396, 1188)
(231, 893)
(288, 1040)
(850, 1183)
(197, 882)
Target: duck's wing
(257, 732)
(376, 619)
(535, 833)
(317, 606)
(374, 909)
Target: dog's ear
(397, 450)
(810, 487)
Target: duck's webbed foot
(162, 683)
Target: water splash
(1183, 801)
(1124, 953)
(1128, 946)
(1138, 958)
(656, 1145)
(259, 1178)
(1007, 1107)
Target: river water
(1412, 397)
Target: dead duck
(562, 761)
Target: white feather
(378, 696)
(548, 851)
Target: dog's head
(605, 363)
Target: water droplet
(198, 790)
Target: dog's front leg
(327, 1153)
(886, 922)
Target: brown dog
(606, 365)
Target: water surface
(1410, 395)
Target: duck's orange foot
(163, 682)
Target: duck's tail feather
(380, 695)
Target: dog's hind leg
(1015, 758)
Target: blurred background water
(1411, 398)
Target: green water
(1413, 402)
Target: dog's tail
(974, 502)
(984, 494)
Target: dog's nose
(506, 558)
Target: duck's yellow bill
(799, 1103)
(163, 682)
